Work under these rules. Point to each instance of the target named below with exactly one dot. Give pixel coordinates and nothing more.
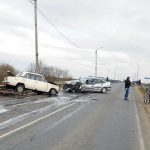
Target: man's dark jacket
(127, 83)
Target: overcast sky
(121, 27)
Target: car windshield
(19, 74)
(82, 80)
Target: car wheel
(20, 88)
(53, 92)
(104, 90)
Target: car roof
(82, 79)
(92, 77)
(32, 73)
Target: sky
(118, 29)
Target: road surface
(88, 121)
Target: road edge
(143, 117)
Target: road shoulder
(144, 115)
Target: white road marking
(20, 118)
(35, 121)
(53, 99)
(63, 119)
(12, 100)
(141, 140)
(3, 110)
(3, 102)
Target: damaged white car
(87, 84)
(32, 81)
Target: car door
(88, 85)
(99, 84)
(29, 81)
(40, 83)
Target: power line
(72, 43)
(54, 26)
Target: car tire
(53, 92)
(104, 90)
(20, 88)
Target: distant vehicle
(87, 84)
(32, 81)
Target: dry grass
(144, 114)
(141, 92)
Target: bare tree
(3, 70)
(50, 72)
(41, 66)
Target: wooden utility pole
(36, 38)
(96, 60)
(96, 63)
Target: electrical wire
(54, 26)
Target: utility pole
(138, 72)
(96, 63)
(36, 38)
(96, 60)
(115, 72)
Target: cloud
(121, 27)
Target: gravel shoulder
(144, 114)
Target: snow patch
(2, 109)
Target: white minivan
(32, 81)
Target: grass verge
(141, 92)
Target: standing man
(107, 79)
(139, 82)
(127, 86)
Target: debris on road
(5, 91)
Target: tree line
(51, 73)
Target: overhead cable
(54, 26)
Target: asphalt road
(89, 121)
